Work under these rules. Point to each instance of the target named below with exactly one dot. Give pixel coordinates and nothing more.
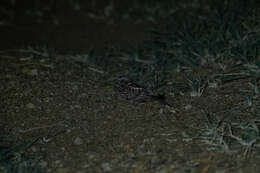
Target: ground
(57, 95)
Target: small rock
(106, 167)
(33, 72)
(43, 164)
(78, 141)
(30, 106)
(62, 170)
(188, 107)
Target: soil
(81, 126)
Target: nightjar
(129, 90)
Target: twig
(40, 127)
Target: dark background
(77, 26)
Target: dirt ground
(81, 126)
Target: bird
(129, 90)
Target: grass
(226, 36)
(13, 159)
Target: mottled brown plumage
(129, 90)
